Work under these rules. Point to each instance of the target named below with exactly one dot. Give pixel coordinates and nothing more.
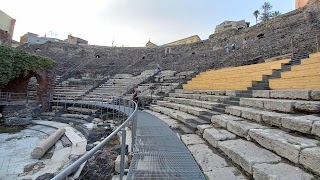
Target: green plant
(14, 62)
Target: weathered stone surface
(241, 128)
(307, 106)
(261, 93)
(222, 120)
(246, 154)
(290, 94)
(226, 173)
(310, 158)
(315, 95)
(251, 102)
(234, 110)
(273, 118)
(231, 93)
(316, 128)
(279, 105)
(206, 158)
(214, 135)
(17, 121)
(202, 127)
(192, 139)
(283, 144)
(252, 115)
(117, 163)
(299, 123)
(279, 171)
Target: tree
(256, 14)
(275, 14)
(266, 14)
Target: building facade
(301, 3)
(75, 40)
(188, 40)
(227, 25)
(7, 27)
(32, 38)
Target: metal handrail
(89, 154)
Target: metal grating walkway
(159, 153)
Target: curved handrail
(89, 154)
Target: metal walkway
(159, 153)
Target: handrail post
(317, 39)
(123, 146)
(292, 53)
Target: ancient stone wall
(296, 29)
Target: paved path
(15, 151)
(159, 153)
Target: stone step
(208, 92)
(282, 143)
(287, 94)
(185, 130)
(185, 108)
(281, 105)
(172, 123)
(219, 109)
(308, 124)
(232, 103)
(175, 114)
(202, 97)
(211, 163)
(279, 171)
(197, 103)
(246, 154)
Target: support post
(123, 149)
(292, 48)
(317, 39)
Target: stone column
(41, 149)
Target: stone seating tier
(260, 140)
(234, 78)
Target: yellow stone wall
(187, 40)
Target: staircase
(264, 84)
(263, 133)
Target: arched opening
(143, 57)
(97, 56)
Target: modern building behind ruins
(32, 38)
(227, 25)
(7, 24)
(75, 40)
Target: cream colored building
(7, 23)
(188, 40)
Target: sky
(130, 22)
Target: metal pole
(317, 39)
(123, 146)
(292, 48)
